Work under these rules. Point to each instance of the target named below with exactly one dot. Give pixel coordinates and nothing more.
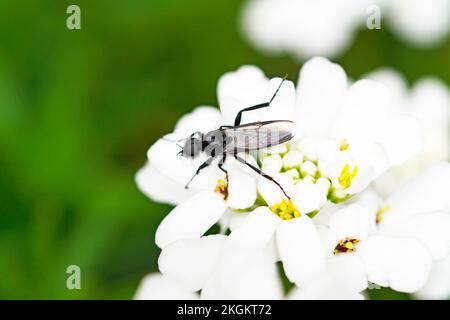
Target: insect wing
(258, 135)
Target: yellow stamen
(346, 177)
(381, 212)
(344, 145)
(286, 210)
(221, 188)
(346, 245)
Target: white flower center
(286, 210)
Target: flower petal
(270, 192)
(402, 137)
(241, 188)
(243, 273)
(308, 197)
(438, 285)
(402, 263)
(163, 156)
(353, 221)
(159, 187)
(300, 250)
(201, 119)
(365, 109)
(155, 286)
(320, 91)
(198, 258)
(328, 238)
(426, 193)
(257, 229)
(248, 86)
(431, 228)
(191, 219)
(348, 270)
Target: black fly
(231, 140)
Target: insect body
(233, 140)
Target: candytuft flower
(345, 137)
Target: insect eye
(192, 148)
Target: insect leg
(262, 173)
(220, 165)
(202, 166)
(237, 120)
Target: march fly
(239, 138)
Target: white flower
(421, 209)
(304, 28)
(326, 27)
(347, 136)
(155, 286)
(428, 101)
(420, 23)
(333, 283)
(396, 245)
(296, 241)
(419, 212)
(214, 267)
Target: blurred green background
(79, 109)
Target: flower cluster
(328, 228)
(325, 27)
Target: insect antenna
(174, 141)
(278, 89)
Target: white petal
(325, 213)
(402, 137)
(426, 193)
(272, 164)
(431, 228)
(248, 86)
(321, 89)
(348, 270)
(438, 286)
(270, 192)
(344, 278)
(424, 26)
(237, 219)
(300, 250)
(324, 292)
(353, 221)
(241, 188)
(404, 264)
(393, 80)
(325, 288)
(163, 156)
(365, 109)
(308, 197)
(243, 274)
(328, 239)
(191, 219)
(159, 187)
(257, 229)
(190, 262)
(202, 119)
(155, 286)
